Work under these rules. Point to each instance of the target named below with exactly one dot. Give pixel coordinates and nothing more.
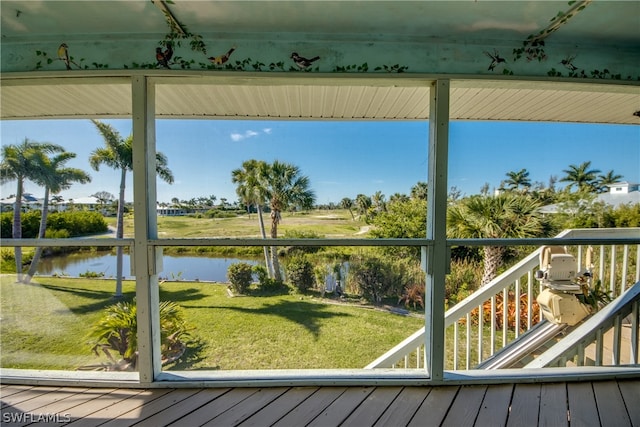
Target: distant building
(29, 202)
(620, 193)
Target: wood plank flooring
(592, 403)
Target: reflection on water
(174, 268)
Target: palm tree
(518, 179)
(118, 154)
(347, 203)
(604, 181)
(251, 192)
(419, 191)
(378, 201)
(508, 215)
(581, 176)
(23, 162)
(363, 203)
(284, 187)
(54, 178)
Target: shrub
(30, 224)
(265, 283)
(370, 276)
(300, 273)
(464, 278)
(413, 295)
(240, 277)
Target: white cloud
(248, 134)
(240, 136)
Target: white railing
(471, 338)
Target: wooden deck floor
(594, 403)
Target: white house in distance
(30, 202)
(620, 193)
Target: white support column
(437, 259)
(145, 228)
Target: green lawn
(44, 326)
(325, 223)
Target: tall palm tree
(285, 187)
(20, 163)
(118, 154)
(604, 181)
(378, 201)
(509, 215)
(252, 193)
(363, 203)
(54, 177)
(581, 176)
(347, 203)
(515, 180)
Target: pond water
(174, 267)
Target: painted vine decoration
(533, 49)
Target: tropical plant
(419, 191)
(118, 154)
(347, 203)
(363, 203)
(413, 295)
(116, 332)
(516, 180)
(509, 215)
(252, 193)
(54, 177)
(20, 163)
(284, 187)
(581, 176)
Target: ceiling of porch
(310, 99)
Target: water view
(174, 267)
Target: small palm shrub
(300, 273)
(116, 334)
(240, 276)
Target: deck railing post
(145, 228)
(436, 256)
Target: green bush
(266, 284)
(370, 276)
(30, 224)
(300, 273)
(240, 276)
(76, 223)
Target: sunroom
(435, 62)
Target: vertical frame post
(437, 259)
(145, 228)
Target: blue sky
(342, 159)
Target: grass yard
(44, 326)
(325, 223)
